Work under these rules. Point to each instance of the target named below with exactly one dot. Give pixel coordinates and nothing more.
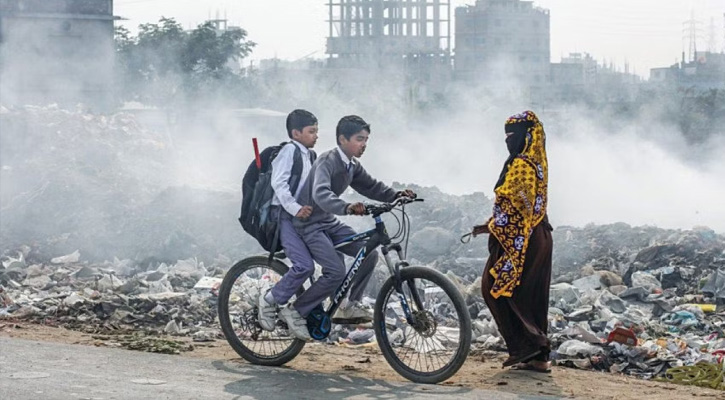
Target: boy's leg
(302, 268)
(333, 269)
(341, 231)
(302, 264)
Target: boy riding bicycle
(332, 173)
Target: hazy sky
(646, 33)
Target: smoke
(603, 168)
(602, 176)
(597, 175)
(636, 171)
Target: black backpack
(257, 195)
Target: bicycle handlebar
(377, 209)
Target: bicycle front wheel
(436, 344)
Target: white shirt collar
(344, 157)
(302, 147)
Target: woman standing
(517, 275)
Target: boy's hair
(350, 125)
(299, 119)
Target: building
(502, 41)
(59, 51)
(575, 69)
(388, 32)
(705, 71)
(402, 45)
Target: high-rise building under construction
(389, 33)
(502, 40)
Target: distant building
(502, 40)
(58, 51)
(706, 71)
(381, 33)
(582, 69)
(666, 74)
(391, 43)
(575, 69)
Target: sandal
(531, 366)
(523, 359)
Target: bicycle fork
(394, 269)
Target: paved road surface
(42, 370)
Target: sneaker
(267, 316)
(295, 322)
(353, 313)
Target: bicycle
(418, 312)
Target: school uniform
(331, 174)
(285, 208)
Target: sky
(644, 33)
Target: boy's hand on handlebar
(304, 212)
(356, 209)
(406, 193)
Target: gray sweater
(328, 179)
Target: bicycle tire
(226, 325)
(464, 344)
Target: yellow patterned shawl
(520, 206)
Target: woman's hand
(480, 230)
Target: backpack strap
(296, 173)
(275, 240)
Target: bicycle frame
(375, 237)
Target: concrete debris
(67, 259)
(127, 297)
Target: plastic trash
(577, 348)
(623, 336)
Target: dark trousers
(523, 318)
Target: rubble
(168, 251)
(646, 317)
(97, 299)
(651, 310)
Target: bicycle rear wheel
(238, 311)
(433, 348)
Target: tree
(164, 65)
(206, 50)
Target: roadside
(481, 371)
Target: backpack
(257, 196)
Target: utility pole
(691, 30)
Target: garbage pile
(641, 312)
(113, 297)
